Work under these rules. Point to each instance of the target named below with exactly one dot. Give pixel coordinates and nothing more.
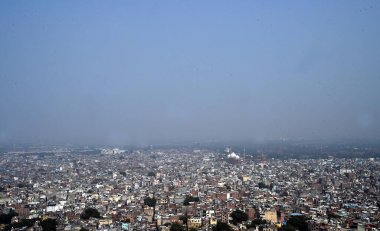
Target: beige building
(271, 215)
(213, 221)
(246, 178)
(194, 222)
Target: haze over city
(140, 72)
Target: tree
(7, 218)
(176, 227)
(296, 223)
(262, 185)
(284, 194)
(238, 216)
(151, 202)
(189, 199)
(287, 228)
(49, 224)
(20, 224)
(123, 173)
(184, 218)
(256, 222)
(221, 226)
(90, 212)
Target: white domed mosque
(233, 156)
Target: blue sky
(118, 72)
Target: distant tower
(227, 150)
(262, 160)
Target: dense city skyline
(278, 188)
(151, 71)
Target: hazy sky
(115, 72)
